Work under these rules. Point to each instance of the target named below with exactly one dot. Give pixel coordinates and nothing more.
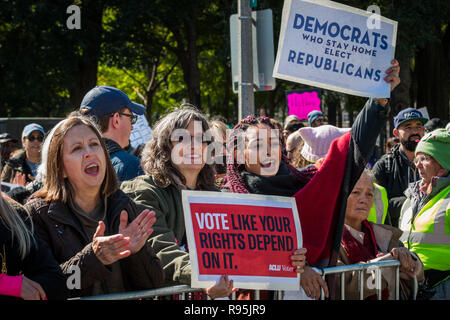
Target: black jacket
(395, 172)
(63, 233)
(16, 164)
(39, 265)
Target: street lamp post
(245, 60)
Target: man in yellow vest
(425, 215)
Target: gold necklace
(3, 256)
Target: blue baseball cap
(407, 115)
(29, 128)
(103, 100)
(313, 115)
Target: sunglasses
(133, 117)
(38, 138)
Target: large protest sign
(333, 46)
(248, 237)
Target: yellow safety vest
(380, 204)
(429, 234)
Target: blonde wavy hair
(12, 220)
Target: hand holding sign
(298, 260)
(393, 74)
(222, 289)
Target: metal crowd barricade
(361, 268)
(183, 291)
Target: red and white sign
(248, 237)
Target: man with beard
(395, 170)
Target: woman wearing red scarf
(363, 241)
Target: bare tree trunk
(332, 102)
(400, 97)
(194, 72)
(86, 66)
(187, 54)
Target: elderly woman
(425, 215)
(364, 241)
(92, 228)
(28, 269)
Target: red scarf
(360, 252)
(357, 252)
(319, 202)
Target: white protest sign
(333, 46)
(141, 132)
(248, 237)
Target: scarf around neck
(282, 184)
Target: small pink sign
(300, 104)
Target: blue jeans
(442, 291)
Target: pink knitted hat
(318, 140)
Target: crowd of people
(79, 198)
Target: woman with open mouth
(259, 168)
(93, 229)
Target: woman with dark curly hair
(175, 160)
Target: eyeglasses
(38, 138)
(200, 139)
(421, 158)
(133, 117)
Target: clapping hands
(130, 239)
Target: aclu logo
(279, 267)
(274, 267)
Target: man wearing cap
(425, 215)
(22, 167)
(316, 118)
(7, 145)
(395, 170)
(115, 114)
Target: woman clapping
(89, 224)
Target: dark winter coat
(39, 265)
(395, 172)
(64, 234)
(14, 165)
